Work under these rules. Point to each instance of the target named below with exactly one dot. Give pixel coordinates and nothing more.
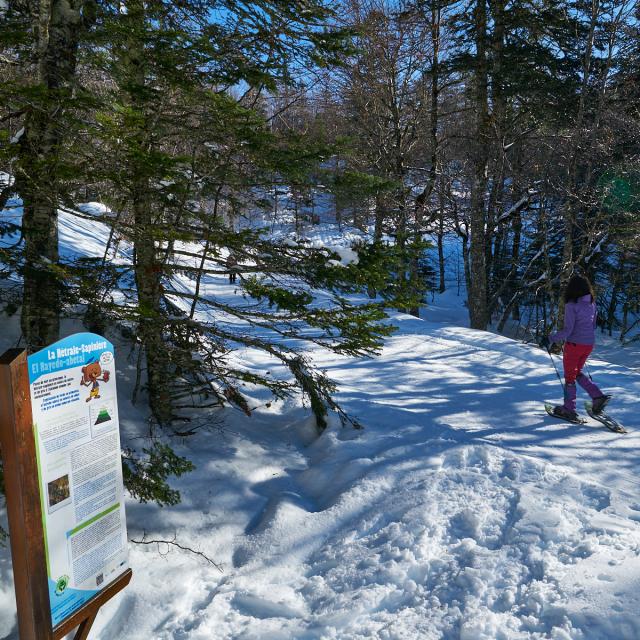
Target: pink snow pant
(573, 359)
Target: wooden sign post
(29, 493)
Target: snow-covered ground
(460, 511)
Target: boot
(563, 412)
(568, 409)
(600, 403)
(599, 399)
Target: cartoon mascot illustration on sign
(90, 377)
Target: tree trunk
(613, 303)
(148, 262)
(478, 311)
(422, 199)
(569, 211)
(37, 168)
(441, 265)
(466, 263)
(494, 250)
(381, 213)
(148, 272)
(515, 256)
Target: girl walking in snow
(579, 334)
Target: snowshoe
(611, 423)
(564, 414)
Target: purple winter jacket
(579, 322)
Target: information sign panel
(75, 421)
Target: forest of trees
(511, 127)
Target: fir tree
(182, 141)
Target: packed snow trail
(460, 511)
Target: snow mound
(474, 543)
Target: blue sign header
(74, 351)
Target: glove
(556, 348)
(105, 376)
(544, 343)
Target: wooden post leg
(83, 630)
(22, 491)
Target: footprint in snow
(596, 497)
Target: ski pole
(556, 370)
(586, 366)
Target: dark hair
(577, 287)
